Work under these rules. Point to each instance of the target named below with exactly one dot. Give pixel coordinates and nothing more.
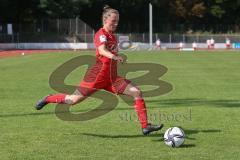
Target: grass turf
(204, 102)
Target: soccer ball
(174, 137)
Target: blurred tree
(187, 14)
(61, 8)
(187, 9)
(168, 15)
(217, 9)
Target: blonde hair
(107, 11)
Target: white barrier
(46, 46)
(134, 46)
(8, 46)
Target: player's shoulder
(100, 36)
(100, 32)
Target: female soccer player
(103, 75)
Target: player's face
(111, 22)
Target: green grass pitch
(204, 102)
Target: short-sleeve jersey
(105, 70)
(104, 37)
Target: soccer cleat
(151, 128)
(41, 103)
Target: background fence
(48, 30)
(75, 30)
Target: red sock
(141, 112)
(56, 98)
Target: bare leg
(133, 91)
(74, 98)
(140, 107)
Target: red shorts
(117, 86)
(103, 76)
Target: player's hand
(118, 58)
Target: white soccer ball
(174, 137)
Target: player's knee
(137, 92)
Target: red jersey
(103, 75)
(103, 37)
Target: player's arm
(103, 51)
